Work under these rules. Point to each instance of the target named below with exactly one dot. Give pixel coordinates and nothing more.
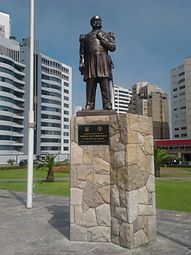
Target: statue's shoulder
(89, 34)
(82, 37)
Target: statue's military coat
(95, 51)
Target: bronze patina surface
(96, 64)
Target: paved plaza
(44, 230)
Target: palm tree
(161, 156)
(48, 162)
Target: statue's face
(96, 22)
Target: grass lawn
(60, 188)
(170, 194)
(173, 195)
(21, 173)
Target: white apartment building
(5, 25)
(56, 106)
(12, 92)
(52, 98)
(181, 100)
(52, 102)
(121, 99)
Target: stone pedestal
(112, 192)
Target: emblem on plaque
(99, 128)
(93, 134)
(86, 129)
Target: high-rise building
(12, 92)
(5, 25)
(121, 98)
(52, 98)
(52, 102)
(181, 100)
(150, 100)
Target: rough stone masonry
(112, 192)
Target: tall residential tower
(52, 102)
(12, 91)
(122, 97)
(52, 98)
(181, 100)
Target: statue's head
(96, 22)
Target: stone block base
(112, 192)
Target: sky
(152, 36)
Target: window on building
(50, 93)
(50, 148)
(52, 109)
(49, 101)
(66, 98)
(66, 91)
(180, 81)
(50, 140)
(66, 112)
(49, 132)
(46, 85)
(65, 77)
(45, 124)
(180, 74)
(66, 84)
(52, 117)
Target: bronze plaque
(93, 134)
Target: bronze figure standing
(96, 64)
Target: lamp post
(31, 112)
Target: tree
(48, 162)
(160, 157)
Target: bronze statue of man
(96, 64)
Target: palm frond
(161, 156)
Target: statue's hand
(99, 35)
(81, 68)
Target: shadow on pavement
(19, 197)
(60, 219)
(176, 240)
